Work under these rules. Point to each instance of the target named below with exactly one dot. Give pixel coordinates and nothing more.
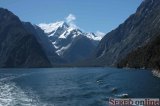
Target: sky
(98, 16)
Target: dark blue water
(74, 86)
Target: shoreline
(156, 73)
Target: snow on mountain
(70, 30)
(62, 50)
(52, 28)
(48, 28)
(93, 36)
(64, 36)
(62, 30)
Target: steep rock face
(80, 49)
(135, 32)
(44, 41)
(147, 56)
(18, 48)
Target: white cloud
(99, 33)
(70, 19)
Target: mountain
(70, 43)
(46, 44)
(19, 47)
(138, 30)
(147, 56)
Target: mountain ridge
(18, 48)
(147, 56)
(66, 39)
(135, 32)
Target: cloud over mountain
(70, 19)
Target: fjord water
(74, 86)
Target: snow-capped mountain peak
(62, 30)
(70, 42)
(52, 27)
(93, 36)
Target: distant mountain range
(46, 45)
(135, 43)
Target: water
(74, 86)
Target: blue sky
(89, 15)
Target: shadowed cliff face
(46, 44)
(147, 56)
(135, 32)
(80, 49)
(18, 48)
